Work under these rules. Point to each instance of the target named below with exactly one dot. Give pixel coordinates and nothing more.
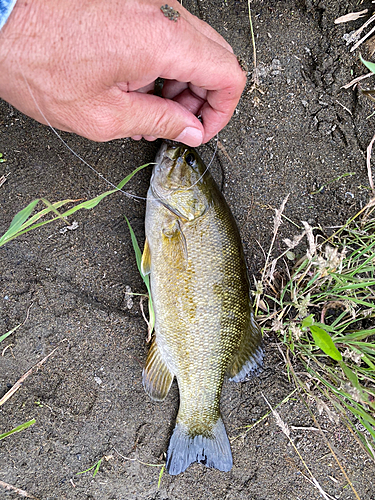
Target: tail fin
(213, 451)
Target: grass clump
(24, 222)
(323, 310)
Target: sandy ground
(300, 132)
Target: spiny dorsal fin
(157, 379)
(247, 361)
(146, 259)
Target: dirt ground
(298, 133)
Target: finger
(191, 101)
(143, 115)
(209, 66)
(173, 88)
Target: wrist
(15, 36)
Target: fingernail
(191, 137)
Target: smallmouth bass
(204, 323)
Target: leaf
(307, 322)
(160, 476)
(19, 225)
(323, 340)
(18, 220)
(352, 377)
(5, 335)
(368, 64)
(145, 277)
(18, 428)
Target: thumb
(148, 115)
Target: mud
(299, 132)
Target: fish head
(179, 181)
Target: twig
(23, 493)
(363, 38)
(369, 172)
(353, 16)
(298, 382)
(137, 460)
(3, 179)
(19, 382)
(277, 223)
(364, 25)
(255, 73)
(224, 151)
(284, 427)
(346, 109)
(149, 327)
(356, 80)
(266, 415)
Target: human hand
(87, 67)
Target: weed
(24, 222)
(18, 428)
(96, 468)
(323, 310)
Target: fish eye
(190, 159)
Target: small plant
(323, 310)
(24, 222)
(18, 429)
(146, 279)
(94, 467)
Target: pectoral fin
(174, 246)
(157, 379)
(248, 359)
(146, 259)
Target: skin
(87, 67)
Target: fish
(205, 328)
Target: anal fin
(247, 361)
(156, 377)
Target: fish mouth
(168, 149)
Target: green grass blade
(17, 221)
(21, 225)
(160, 476)
(128, 177)
(18, 428)
(146, 278)
(368, 64)
(5, 335)
(97, 467)
(138, 254)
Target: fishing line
(101, 176)
(208, 166)
(72, 150)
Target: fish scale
(204, 324)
